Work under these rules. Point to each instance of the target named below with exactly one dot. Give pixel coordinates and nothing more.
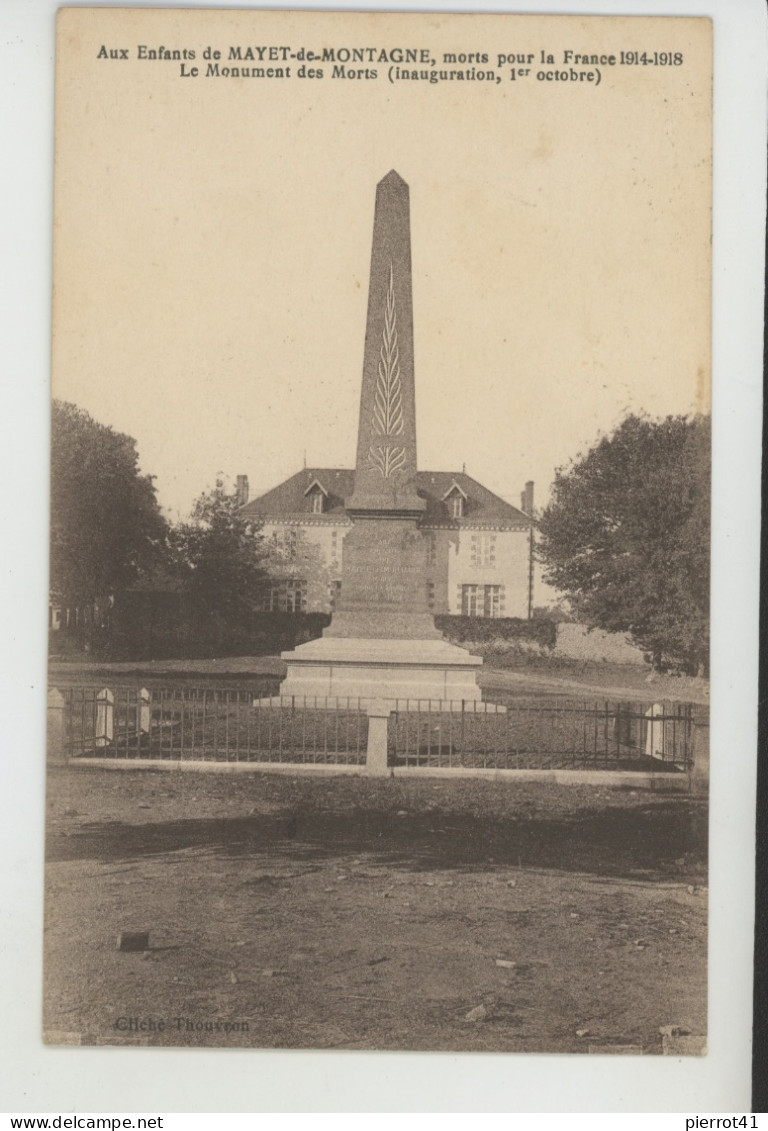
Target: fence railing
(545, 734)
(223, 724)
(211, 724)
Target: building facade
(478, 560)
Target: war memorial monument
(382, 642)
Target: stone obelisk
(383, 587)
(385, 470)
(382, 642)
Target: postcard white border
(49, 1079)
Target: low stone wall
(577, 642)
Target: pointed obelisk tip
(393, 178)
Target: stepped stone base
(341, 667)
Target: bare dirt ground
(372, 914)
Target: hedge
(486, 630)
(152, 626)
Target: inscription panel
(384, 568)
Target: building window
(481, 600)
(456, 505)
(491, 601)
(334, 591)
(483, 550)
(296, 596)
(431, 551)
(286, 541)
(469, 600)
(316, 500)
(430, 594)
(288, 596)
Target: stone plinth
(383, 594)
(341, 668)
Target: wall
(510, 570)
(320, 556)
(577, 642)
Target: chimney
(242, 490)
(526, 499)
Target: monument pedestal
(341, 667)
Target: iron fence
(226, 724)
(544, 734)
(212, 724)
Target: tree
(220, 556)
(106, 525)
(626, 537)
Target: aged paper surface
(214, 192)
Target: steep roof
(288, 499)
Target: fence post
(654, 738)
(376, 754)
(145, 700)
(699, 777)
(56, 727)
(105, 717)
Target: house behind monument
(478, 560)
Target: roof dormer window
(316, 496)
(454, 498)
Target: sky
(212, 243)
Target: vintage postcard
(379, 611)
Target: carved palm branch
(388, 400)
(387, 459)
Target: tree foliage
(220, 558)
(626, 537)
(106, 525)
